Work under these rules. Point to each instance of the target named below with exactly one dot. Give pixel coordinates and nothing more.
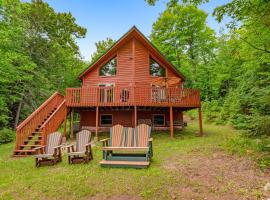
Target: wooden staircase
(33, 131)
(32, 141)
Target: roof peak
(118, 42)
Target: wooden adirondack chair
(83, 151)
(128, 147)
(51, 153)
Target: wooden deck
(132, 96)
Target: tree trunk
(18, 113)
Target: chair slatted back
(53, 140)
(129, 137)
(82, 138)
(142, 135)
(116, 135)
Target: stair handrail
(25, 128)
(43, 128)
(37, 110)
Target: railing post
(135, 116)
(43, 136)
(200, 122)
(71, 124)
(97, 116)
(171, 121)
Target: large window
(159, 120)
(109, 69)
(156, 69)
(106, 120)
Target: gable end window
(156, 69)
(109, 69)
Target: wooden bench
(128, 147)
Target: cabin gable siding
(132, 67)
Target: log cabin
(130, 84)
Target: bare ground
(215, 175)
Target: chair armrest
(57, 147)
(57, 150)
(71, 146)
(37, 148)
(150, 139)
(89, 144)
(105, 141)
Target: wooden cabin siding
(125, 118)
(142, 66)
(132, 67)
(124, 75)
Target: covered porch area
(100, 118)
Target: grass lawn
(185, 167)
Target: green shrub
(6, 135)
(257, 148)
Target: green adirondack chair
(128, 147)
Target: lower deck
(100, 119)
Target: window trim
(149, 65)
(164, 119)
(104, 63)
(105, 115)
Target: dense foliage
(101, 47)
(38, 56)
(233, 69)
(6, 135)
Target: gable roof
(133, 32)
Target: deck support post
(97, 110)
(65, 124)
(71, 124)
(200, 122)
(135, 116)
(171, 121)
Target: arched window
(109, 69)
(156, 69)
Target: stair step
(24, 152)
(31, 136)
(36, 132)
(30, 145)
(135, 164)
(34, 141)
(19, 155)
(28, 150)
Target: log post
(171, 120)
(97, 122)
(135, 116)
(200, 122)
(71, 124)
(65, 124)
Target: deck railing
(130, 96)
(29, 125)
(53, 122)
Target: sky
(113, 18)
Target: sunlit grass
(20, 179)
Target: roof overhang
(133, 32)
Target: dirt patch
(116, 197)
(215, 175)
